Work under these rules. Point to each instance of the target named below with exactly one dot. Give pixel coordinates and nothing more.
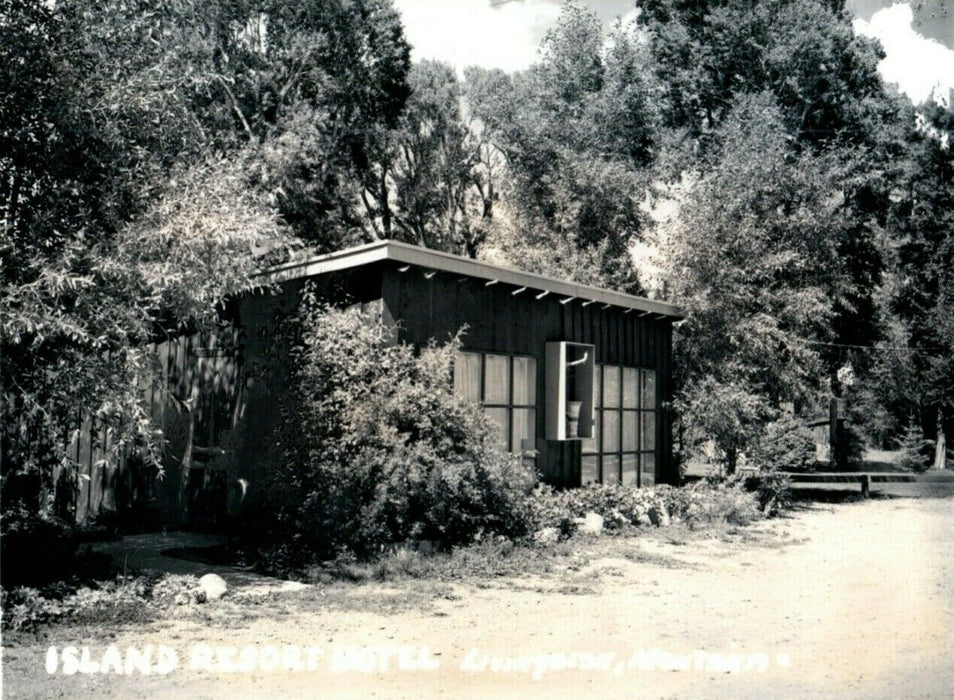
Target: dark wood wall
(220, 397)
(496, 319)
(194, 401)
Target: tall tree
(752, 258)
(824, 78)
(923, 294)
(148, 159)
(577, 132)
(431, 182)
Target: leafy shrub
(620, 506)
(915, 449)
(699, 504)
(123, 599)
(376, 449)
(37, 547)
(709, 503)
(849, 447)
(164, 591)
(773, 490)
(116, 601)
(785, 445)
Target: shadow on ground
(188, 553)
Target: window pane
(629, 469)
(648, 436)
(597, 373)
(524, 430)
(592, 444)
(590, 470)
(630, 431)
(524, 381)
(649, 388)
(647, 463)
(610, 431)
(630, 382)
(500, 415)
(496, 379)
(611, 386)
(611, 469)
(467, 376)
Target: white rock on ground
(592, 524)
(214, 586)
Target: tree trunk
(385, 204)
(731, 457)
(940, 446)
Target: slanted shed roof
(407, 255)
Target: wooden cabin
(578, 378)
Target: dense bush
(37, 547)
(697, 505)
(376, 449)
(772, 489)
(785, 445)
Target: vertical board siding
(424, 308)
(105, 478)
(229, 390)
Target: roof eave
(403, 253)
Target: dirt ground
(840, 600)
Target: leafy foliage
(153, 154)
(921, 292)
(915, 449)
(120, 600)
(773, 490)
(698, 505)
(377, 449)
(27, 532)
(785, 445)
(731, 74)
(752, 258)
(433, 179)
(576, 131)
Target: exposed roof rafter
(406, 256)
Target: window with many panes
(506, 386)
(623, 446)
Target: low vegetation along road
(837, 600)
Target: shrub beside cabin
(578, 378)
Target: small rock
(548, 535)
(592, 524)
(642, 518)
(213, 586)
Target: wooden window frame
(637, 413)
(510, 406)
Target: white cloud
(922, 68)
(472, 32)
(630, 16)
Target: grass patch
(640, 556)
(491, 559)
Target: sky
(918, 36)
